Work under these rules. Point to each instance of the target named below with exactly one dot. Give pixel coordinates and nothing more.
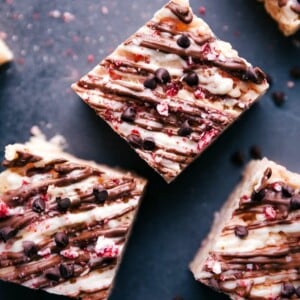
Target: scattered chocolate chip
(295, 202)
(287, 191)
(241, 231)
(298, 291)
(38, 205)
(162, 75)
(63, 204)
(255, 152)
(66, 270)
(191, 79)
(185, 129)
(29, 248)
(52, 274)
(150, 82)
(61, 239)
(100, 195)
(278, 98)
(287, 290)
(295, 72)
(183, 41)
(149, 144)
(238, 158)
(128, 114)
(135, 141)
(258, 196)
(7, 233)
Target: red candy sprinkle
(4, 210)
(202, 10)
(270, 213)
(135, 131)
(90, 58)
(277, 186)
(172, 89)
(199, 94)
(113, 75)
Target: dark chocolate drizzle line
(184, 14)
(267, 260)
(21, 160)
(236, 66)
(45, 169)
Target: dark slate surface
(35, 90)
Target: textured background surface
(51, 53)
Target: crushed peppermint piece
(56, 14)
(270, 213)
(106, 248)
(4, 209)
(44, 252)
(70, 253)
(68, 17)
(163, 108)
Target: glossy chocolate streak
(236, 67)
(184, 14)
(22, 160)
(41, 170)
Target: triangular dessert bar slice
(64, 222)
(172, 88)
(253, 249)
(286, 13)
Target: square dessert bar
(253, 249)
(5, 53)
(286, 13)
(64, 222)
(172, 88)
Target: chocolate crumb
(238, 158)
(7, 233)
(150, 82)
(38, 205)
(295, 72)
(128, 115)
(135, 141)
(162, 75)
(255, 152)
(61, 239)
(29, 248)
(295, 202)
(100, 195)
(241, 231)
(63, 204)
(149, 144)
(52, 274)
(66, 270)
(278, 98)
(258, 196)
(183, 41)
(287, 290)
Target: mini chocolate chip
(255, 152)
(162, 75)
(135, 141)
(258, 196)
(66, 270)
(128, 115)
(29, 248)
(191, 79)
(150, 82)
(238, 158)
(287, 290)
(241, 231)
(100, 194)
(295, 72)
(183, 41)
(61, 239)
(298, 291)
(287, 191)
(149, 144)
(52, 274)
(278, 98)
(295, 202)
(185, 129)
(7, 233)
(63, 204)
(38, 205)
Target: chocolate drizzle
(22, 159)
(184, 14)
